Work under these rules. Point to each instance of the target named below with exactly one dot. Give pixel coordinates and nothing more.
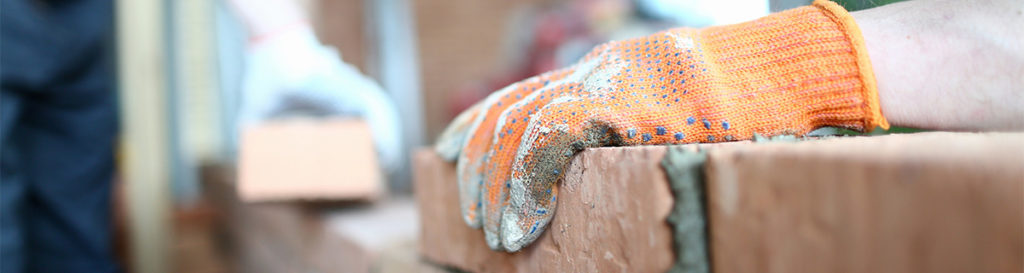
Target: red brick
(931, 202)
(610, 218)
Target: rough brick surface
(314, 237)
(284, 237)
(932, 202)
(610, 218)
(928, 202)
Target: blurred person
(553, 35)
(58, 124)
(289, 72)
(944, 65)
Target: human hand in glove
(288, 71)
(787, 73)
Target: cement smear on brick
(685, 170)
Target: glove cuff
(809, 66)
(869, 90)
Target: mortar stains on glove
(787, 73)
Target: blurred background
(246, 126)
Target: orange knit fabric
(787, 73)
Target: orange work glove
(787, 73)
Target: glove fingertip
(471, 215)
(522, 226)
(493, 240)
(453, 138)
(473, 222)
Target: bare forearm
(948, 65)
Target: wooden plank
(144, 145)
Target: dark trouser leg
(68, 155)
(12, 189)
(58, 145)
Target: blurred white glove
(291, 69)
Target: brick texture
(931, 202)
(611, 218)
(928, 202)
